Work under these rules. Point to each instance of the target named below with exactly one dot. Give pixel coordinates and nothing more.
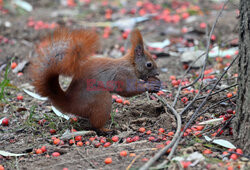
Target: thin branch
(134, 161)
(202, 76)
(205, 99)
(180, 87)
(204, 111)
(200, 106)
(177, 133)
(202, 97)
(225, 125)
(207, 50)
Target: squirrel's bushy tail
(61, 53)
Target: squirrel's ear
(137, 43)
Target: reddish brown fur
(68, 53)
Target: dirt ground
(25, 134)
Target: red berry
(185, 66)
(56, 154)
(13, 65)
(185, 164)
(129, 140)
(161, 130)
(239, 151)
(132, 154)
(207, 151)
(230, 111)
(41, 122)
(78, 138)
(199, 128)
(39, 151)
(19, 97)
(19, 74)
(234, 156)
(123, 153)
(97, 144)
(73, 130)
(168, 142)
(43, 148)
(159, 93)
(198, 134)
(225, 153)
(172, 78)
(92, 139)
(57, 141)
(185, 15)
(170, 133)
(125, 35)
(115, 138)
(122, 49)
(53, 138)
(184, 100)
(219, 130)
(175, 83)
(148, 132)
(213, 134)
(228, 56)
(73, 119)
(151, 138)
(107, 144)
(126, 102)
(229, 95)
(142, 129)
(103, 140)
(72, 141)
(52, 131)
(5, 122)
(203, 25)
(213, 37)
(135, 138)
(108, 161)
(79, 143)
(119, 100)
(184, 30)
(185, 134)
(114, 97)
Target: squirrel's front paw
(153, 84)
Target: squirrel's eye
(149, 64)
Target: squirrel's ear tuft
(137, 43)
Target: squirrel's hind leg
(100, 112)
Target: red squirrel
(69, 53)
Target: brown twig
(177, 133)
(202, 76)
(200, 106)
(180, 87)
(225, 125)
(193, 62)
(205, 99)
(202, 97)
(204, 111)
(138, 156)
